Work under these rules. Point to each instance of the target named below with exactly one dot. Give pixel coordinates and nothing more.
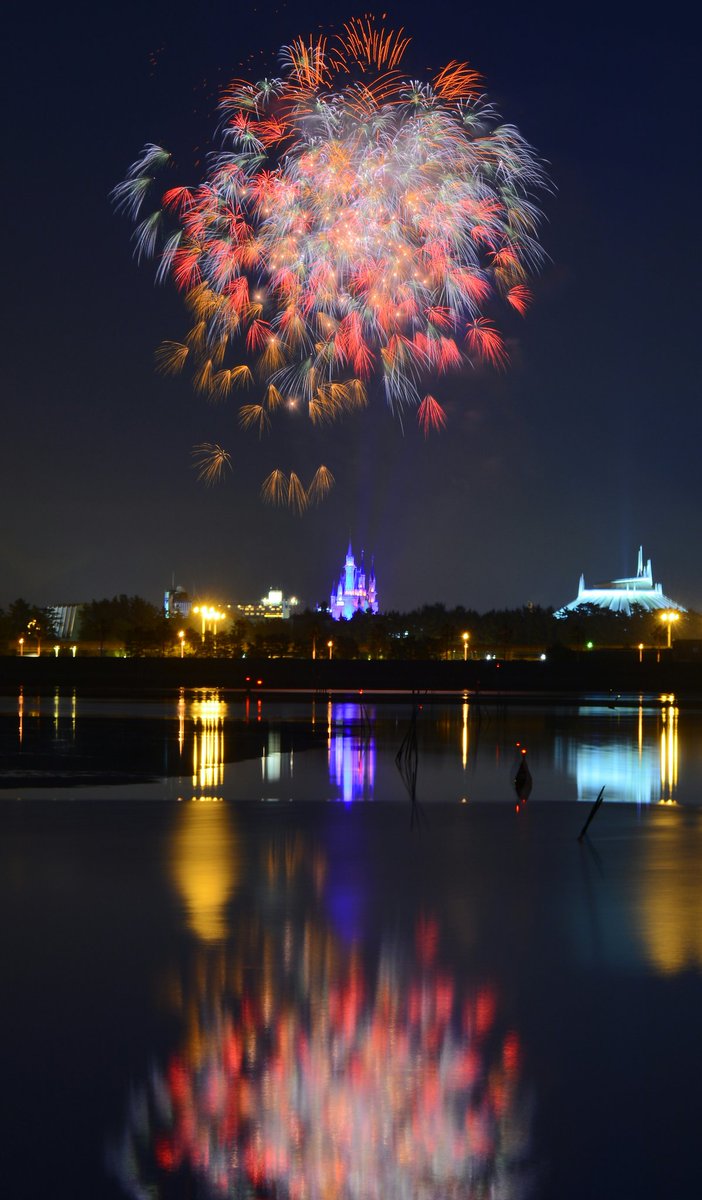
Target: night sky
(588, 445)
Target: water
(211, 744)
(224, 993)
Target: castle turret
(353, 594)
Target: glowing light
(351, 752)
(204, 865)
(210, 616)
(347, 1086)
(669, 753)
(347, 239)
(670, 899)
(464, 734)
(669, 618)
(208, 747)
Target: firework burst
(211, 462)
(352, 238)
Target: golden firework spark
(211, 461)
(321, 485)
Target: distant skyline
(585, 447)
(303, 602)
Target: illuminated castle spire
(355, 592)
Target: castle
(354, 592)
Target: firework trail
(350, 240)
(211, 461)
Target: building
(177, 603)
(355, 592)
(65, 620)
(634, 595)
(275, 604)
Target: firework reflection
(309, 1072)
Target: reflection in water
(636, 765)
(271, 759)
(304, 1073)
(208, 713)
(181, 719)
(204, 865)
(671, 899)
(669, 752)
(465, 710)
(61, 707)
(637, 751)
(351, 750)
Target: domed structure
(634, 595)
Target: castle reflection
(305, 1070)
(351, 750)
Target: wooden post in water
(593, 810)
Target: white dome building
(635, 595)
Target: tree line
(134, 626)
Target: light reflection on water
(205, 866)
(635, 754)
(207, 712)
(321, 1001)
(670, 900)
(211, 744)
(306, 1070)
(351, 749)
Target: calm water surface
(643, 750)
(221, 993)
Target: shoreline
(607, 673)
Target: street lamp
(35, 628)
(21, 646)
(181, 637)
(465, 637)
(330, 646)
(201, 610)
(208, 614)
(669, 617)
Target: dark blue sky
(586, 447)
